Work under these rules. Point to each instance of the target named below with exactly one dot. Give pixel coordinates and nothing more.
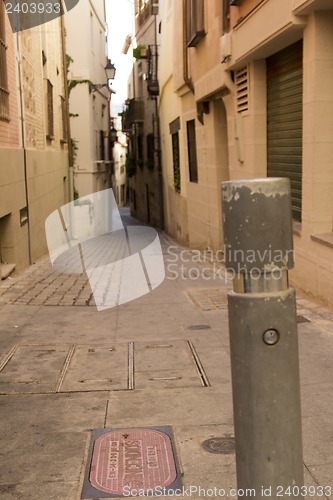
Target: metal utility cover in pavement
(223, 445)
(130, 461)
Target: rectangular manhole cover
(137, 461)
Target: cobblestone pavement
(40, 284)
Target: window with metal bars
(176, 162)
(174, 128)
(64, 119)
(4, 92)
(101, 155)
(192, 151)
(195, 26)
(50, 117)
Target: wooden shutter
(284, 119)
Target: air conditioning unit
(225, 44)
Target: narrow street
(161, 361)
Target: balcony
(152, 77)
(146, 9)
(134, 113)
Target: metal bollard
(263, 338)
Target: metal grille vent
(242, 89)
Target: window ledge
(297, 227)
(325, 239)
(196, 38)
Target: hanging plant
(140, 52)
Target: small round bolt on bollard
(258, 247)
(271, 337)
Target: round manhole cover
(199, 327)
(223, 445)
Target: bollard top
(269, 186)
(257, 225)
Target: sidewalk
(66, 369)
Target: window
(4, 92)
(192, 151)
(176, 163)
(140, 150)
(64, 119)
(194, 22)
(50, 118)
(174, 128)
(101, 153)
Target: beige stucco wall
(170, 108)
(47, 187)
(86, 45)
(314, 259)
(14, 237)
(38, 178)
(270, 27)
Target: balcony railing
(152, 77)
(146, 8)
(134, 113)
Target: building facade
(246, 92)
(33, 137)
(141, 121)
(119, 157)
(89, 101)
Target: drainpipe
(69, 139)
(187, 79)
(159, 162)
(24, 145)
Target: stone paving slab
(44, 437)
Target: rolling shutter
(284, 120)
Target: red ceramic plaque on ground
(125, 460)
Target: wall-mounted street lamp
(110, 72)
(113, 132)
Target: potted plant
(140, 52)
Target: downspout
(66, 95)
(159, 160)
(187, 80)
(24, 145)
